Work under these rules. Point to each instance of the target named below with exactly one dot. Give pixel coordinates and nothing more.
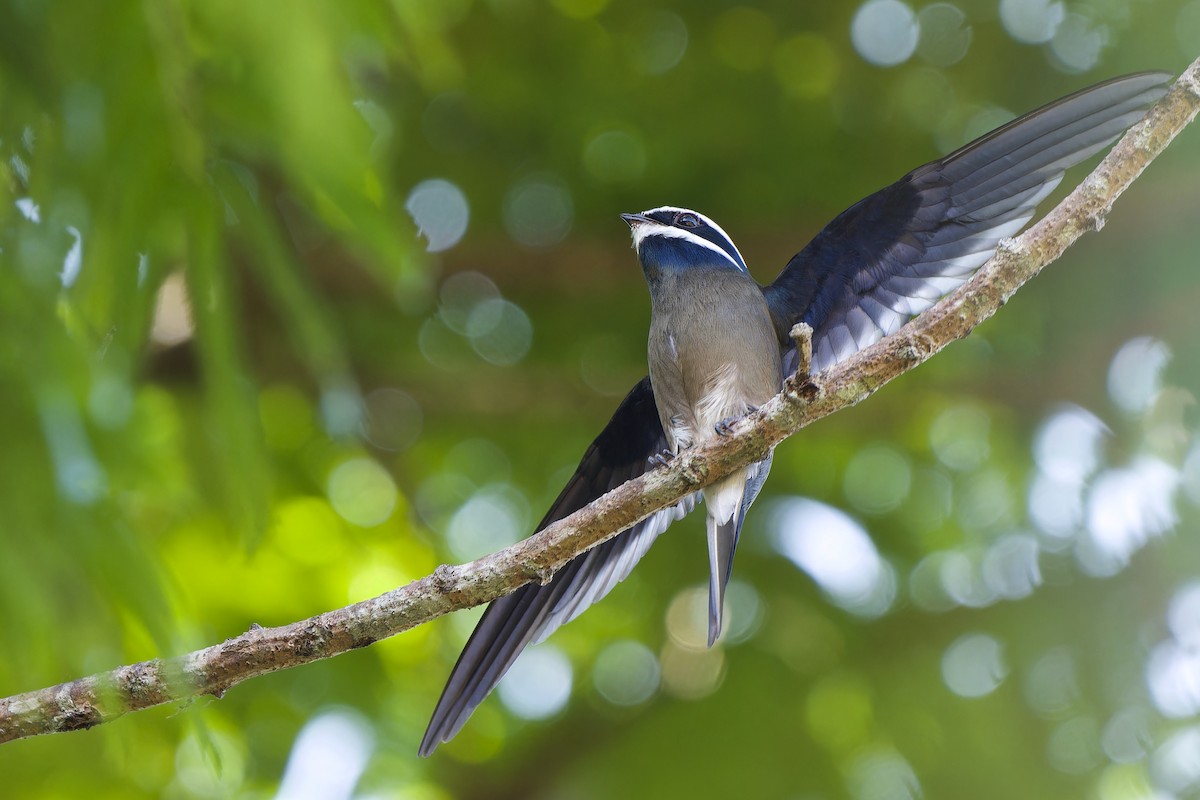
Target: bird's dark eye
(688, 220)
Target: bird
(713, 356)
(719, 345)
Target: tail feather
(723, 535)
(722, 542)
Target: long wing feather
(894, 254)
(621, 452)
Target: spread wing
(894, 254)
(879, 263)
(621, 452)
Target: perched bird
(719, 344)
(713, 356)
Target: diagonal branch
(89, 701)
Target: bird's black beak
(633, 220)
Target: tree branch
(89, 701)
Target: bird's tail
(726, 511)
(722, 541)
(727, 502)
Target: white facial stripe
(708, 221)
(645, 229)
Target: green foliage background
(159, 494)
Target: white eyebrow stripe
(647, 229)
(711, 223)
(653, 228)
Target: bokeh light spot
(1173, 674)
(945, 36)
(985, 500)
(984, 120)
(538, 211)
(881, 773)
(1031, 21)
(391, 419)
(692, 673)
(1183, 615)
(836, 552)
(441, 346)
(440, 211)
(658, 42)
(499, 331)
(962, 579)
(1067, 445)
(959, 437)
(1190, 473)
(1126, 782)
(1175, 765)
(973, 666)
(626, 673)
(884, 32)
(491, 519)
(328, 757)
(1074, 746)
(1010, 566)
(1078, 42)
(341, 407)
(1051, 684)
(925, 584)
(1056, 508)
(362, 492)
(459, 294)
(1126, 507)
(687, 616)
(538, 685)
(1126, 737)
(877, 479)
(687, 619)
(743, 612)
(481, 461)
(1135, 374)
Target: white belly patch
(723, 398)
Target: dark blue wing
(894, 254)
(620, 453)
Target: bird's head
(670, 238)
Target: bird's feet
(725, 426)
(661, 459)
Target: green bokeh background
(328, 409)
